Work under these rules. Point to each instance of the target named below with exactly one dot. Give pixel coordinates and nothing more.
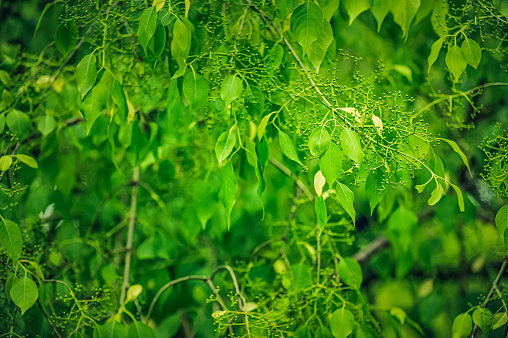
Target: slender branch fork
(492, 290)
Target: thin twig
(372, 248)
(47, 319)
(286, 171)
(130, 234)
(492, 290)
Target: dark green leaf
(147, 25)
(10, 239)
(66, 37)
(228, 190)
(346, 198)
(287, 147)
(86, 74)
(195, 89)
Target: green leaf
(287, 147)
(284, 7)
(380, 9)
(147, 25)
(91, 107)
(399, 314)
(499, 320)
(462, 326)
(350, 272)
(374, 189)
(5, 162)
(195, 90)
(328, 7)
(355, 8)
(319, 141)
(66, 37)
(456, 148)
(2, 123)
(346, 198)
(231, 89)
(205, 201)
(228, 190)
(306, 24)
(263, 151)
(319, 47)
(46, 125)
(321, 212)
(472, 52)
(24, 293)
(19, 123)
(401, 227)
(351, 145)
(140, 330)
(10, 239)
(331, 163)
(323, 332)
(342, 323)
(119, 98)
(455, 61)
(181, 43)
(436, 194)
(37, 269)
(28, 160)
(460, 198)
(46, 8)
(158, 42)
(86, 74)
(225, 144)
(502, 220)
(434, 52)
(262, 125)
(484, 319)
(404, 11)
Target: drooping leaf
(5, 162)
(456, 148)
(262, 125)
(319, 141)
(181, 43)
(330, 163)
(374, 189)
(328, 7)
(10, 239)
(455, 61)
(28, 160)
(228, 190)
(499, 320)
(355, 8)
(319, 47)
(93, 104)
(462, 326)
(346, 198)
(350, 272)
(342, 323)
(231, 89)
(436, 195)
(158, 42)
(195, 89)
(24, 293)
(66, 37)
(86, 74)
(205, 201)
(502, 220)
(19, 123)
(351, 145)
(284, 7)
(460, 198)
(484, 319)
(472, 52)
(147, 25)
(119, 98)
(319, 182)
(380, 9)
(434, 52)
(287, 147)
(321, 212)
(306, 24)
(404, 11)
(46, 125)
(225, 144)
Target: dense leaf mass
(251, 168)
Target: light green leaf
(306, 24)
(399, 314)
(484, 319)
(287, 147)
(133, 292)
(502, 220)
(331, 163)
(86, 74)
(462, 326)
(455, 61)
(456, 148)
(321, 212)
(472, 52)
(10, 239)
(460, 198)
(119, 98)
(346, 198)
(231, 89)
(195, 90)
(19, 123)
(205, 201)
(66, 37)
(28, 160)
(342, 323)
(438, 18)
(46, 125)
(319, 141)
(147, 25)
(434, 52)
(404, 11)
(181, 43)
(228, 190)
(46, 8)
(499, 320)
(91, 107)
(328, 7)
(319, 47)
(374, 189)
(351, 145)
(24, 293)
(140, 330)
(262, 125)
(284, 7)
(350, 272)
(225, 144)
(319, 182)
(355, 8)
(401, 227)
(380, 9)
(37, 269)
(5, 162)
(436, 195)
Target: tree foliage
(253, 168)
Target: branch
(130, 234)
(371, 249)
(13, 153)
(492, 290)
(286, 171)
